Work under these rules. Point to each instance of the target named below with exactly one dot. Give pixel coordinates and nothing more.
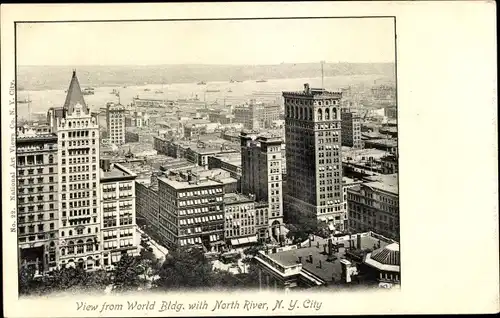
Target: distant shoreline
(37, 78)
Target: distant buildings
(389, 164)
(137, 119)
(389, 145)
(131, 135)
(391, 112)
(220, 116)
(196, 152)
(351, 129)
(374, 206)
(115, 123)
(262, 175)
(257, 115)
(314, 155)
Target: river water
(232, 93)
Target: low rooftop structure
(384, 182)
(317, 261)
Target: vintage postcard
(247, 159)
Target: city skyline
(245, 42)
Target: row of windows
(201, 201)
(199, 192)
(31, 190)
(201, 219)
(80, 231)
(239, 232)
(114, 244)
(77, 134)
(31, 218)
(34, 159)
(31, 228)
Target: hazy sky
(206, 42)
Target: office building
(374, 206)
(118, 212)
(191, 211)
(313, 155)
(37, 200)
(115, 123)
(240, 220)
(262, 176)
(351, 129)
(78, 180)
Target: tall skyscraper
(78, 180)
(37, 207)
(262, 175)
(115, 123)
(313, 155)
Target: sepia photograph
(236, 159)
(206, 163)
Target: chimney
(324, 248)
(306, 88)
(330, 247)
(300, 259)
(319, 265)
(358, 242)
(310, 242)
(105, 165)
(317, 244)
(310, 258)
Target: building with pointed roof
(75, 96)
(79, 223)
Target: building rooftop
(178, 183)
(114, 171)
(348, 181)
(384, 142)
(314, 92)
(236, 198)
(328, 269)
(385, 258)
(233, 158)
(384, 182)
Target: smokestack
(306, 88)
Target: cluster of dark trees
(184, 268)
(300, 229)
